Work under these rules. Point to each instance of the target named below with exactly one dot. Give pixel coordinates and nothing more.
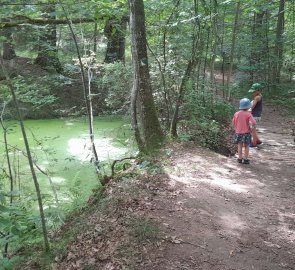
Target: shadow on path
(229, 215)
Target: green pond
(61, 148)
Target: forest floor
(195, 209)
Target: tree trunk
(30, 159)
(190, 66)
(86, 92)
(8, 48)
(115, 30)
(233, 45)
(151, 130)
(47, 53)
(278, 53)
(258, 57)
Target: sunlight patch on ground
(261, 130)
(213, 179)
(226, 183)
(81, 148)
(232, 223)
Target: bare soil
(195, 210)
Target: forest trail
(230, 215)
(210, 212)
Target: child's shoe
(246, 161)
(240, 160)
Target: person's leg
(246, 151)
(258, 119)
(255, 138)
(240, 151)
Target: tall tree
(8, 47)
(115, 31)
(47, 52)
(278, 50)
(233, 47)
(259, 45)
(142, 90)
(29, 156)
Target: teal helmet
(245, 103)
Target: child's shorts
(243, 138)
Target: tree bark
(190, 66)
(233, 47)
(86, 92)
(259, 47)
(47, 53)
(151, 130)
(278, 53)
(115, 30)
(8, 48)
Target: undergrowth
(206, 120)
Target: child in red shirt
(243, 123)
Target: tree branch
(21, 20)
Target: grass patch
(145, 229)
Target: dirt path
(230, 215)
(211, 213)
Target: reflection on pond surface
(81, 149)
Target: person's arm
(252, 123)
(233, 123)
(254, 101)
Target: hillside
(192, 209)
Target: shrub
(206, 120)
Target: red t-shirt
(242, 120)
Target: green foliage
(206, 119)
(31, 92)
(283, 96)
(17, 225)
(150, 167)
(9, 263)
(116, 83)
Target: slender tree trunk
(9, 165)
(190, 67)
(152, 133)
(223, 53)
(87, 94)
(162, 66)
(166, 92)
(95, 32)
(216, 40)
(233, 45)
(258, 58)
(279, 42)
(30, 159)
(268, 53)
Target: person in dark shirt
(256, 109)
